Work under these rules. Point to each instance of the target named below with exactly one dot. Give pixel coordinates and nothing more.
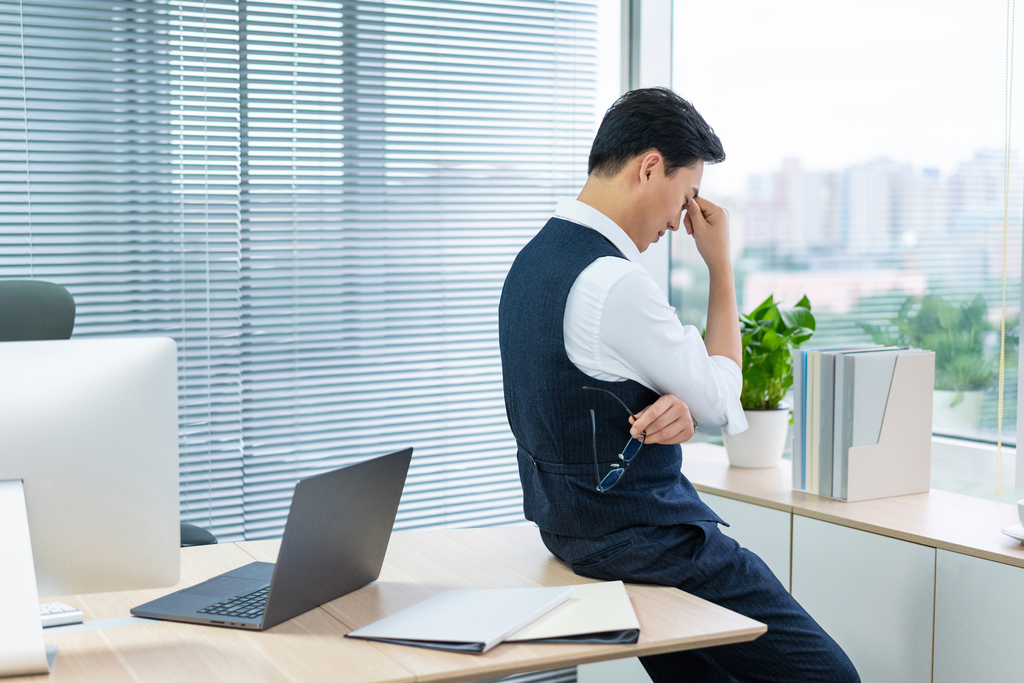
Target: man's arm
(668, 420)
(642, 338)
(709, 225)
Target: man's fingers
(708, 209)
(679, 431)
(664, 421)
(645, 417)
(667, 420)
(659, 415)
(696, 218)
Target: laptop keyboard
(248, 606)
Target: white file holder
(900, 463)
(22, 651)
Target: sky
(835, 82)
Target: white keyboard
(59, 614)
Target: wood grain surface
(420, 564)
(313, 647)
(939, 519)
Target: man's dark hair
(653, 118)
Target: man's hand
(667, 420)
(709, 225)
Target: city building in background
(870, 240)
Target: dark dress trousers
(652, 527)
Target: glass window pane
(866, 169)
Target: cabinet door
(616, 671)
(979, 620)
(762, 530)
(873, 594)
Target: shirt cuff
(735, 420)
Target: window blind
(396, 155)
(117, 185)
(319, 201)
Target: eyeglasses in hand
(626, 456)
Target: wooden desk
(312, 646)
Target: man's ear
(647, 164)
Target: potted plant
(769, 335)
(966, 350)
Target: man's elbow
(713, 411)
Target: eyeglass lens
(631, 449)
(611, 478)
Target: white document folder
(596, 613)
(465, 620)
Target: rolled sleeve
(735, 419)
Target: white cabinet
(762, 530)
(616, 671)
(872, 594)
(979, 620)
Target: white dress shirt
(618, 325)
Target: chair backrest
(32, 310)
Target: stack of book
(862, 421)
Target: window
(866, 169)
(318, 201)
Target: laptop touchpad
(225, 586)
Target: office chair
(32, 310)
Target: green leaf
(800, 336)
(771, 340)
(798, 317)
(766, 305)
(769, 334)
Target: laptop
(334, 542)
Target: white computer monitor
(89, 437)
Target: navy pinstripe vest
(549, 411)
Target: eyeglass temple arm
(593, 444)
(631, 413)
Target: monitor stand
(22, 651)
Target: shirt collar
(576, 211)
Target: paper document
(465, 620)
(596, 613)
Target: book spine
(798, 421)
(828, 368)
(803, 427)
(813, 405)
(838, 374)
(849, 375)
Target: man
(594, 357)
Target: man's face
(663, 207)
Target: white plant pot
(763, 442)
(963, 418)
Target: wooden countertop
(950, 521)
